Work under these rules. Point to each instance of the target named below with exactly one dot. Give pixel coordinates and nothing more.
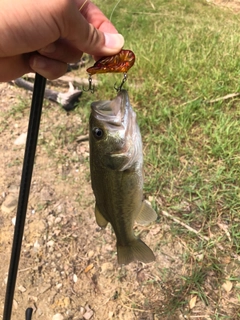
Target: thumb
(90, 39)
(98, 43)
(99, 36)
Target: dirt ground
(233, 5)
(68, 267)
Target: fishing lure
(118, 63)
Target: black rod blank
(28, 314)
(28, 162)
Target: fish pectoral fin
(101, 221)
(146, 214)
(136, 250)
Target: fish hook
(90, 85)
(122, 83)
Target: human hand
(43, 36)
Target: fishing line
(114, 8)
(28, 162)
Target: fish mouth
(118, 120)
(112, 112)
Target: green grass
(187, 53)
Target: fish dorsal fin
(146, 214)
(101, 221)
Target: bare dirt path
(68, 267)
(233, 5)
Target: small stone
(13, 189)
(57, 232)
(15, 304)
(10, 203)
(89, 267)
(90, 253)
(109, 247)
(88, 314)
(21, 288)
(75, 278)
(32, 298)
(107, 266)
(57, 316)
(227, 286)
(50, 220)
(59, 285)
(36, 245)
(14, 221)
(39, 312)
(50, 243)
(21, 139)
(58, 220)
(82, 311)
(66, 302)
(200, 257)
(46, 194)
(150, 198)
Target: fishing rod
(28, 163)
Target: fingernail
(51, 48)
(39, 63)
(114, 40)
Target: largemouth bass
(116, 164)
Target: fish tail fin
(135, 250)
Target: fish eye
(98, 133)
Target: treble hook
(90, 85)
(122, 83)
